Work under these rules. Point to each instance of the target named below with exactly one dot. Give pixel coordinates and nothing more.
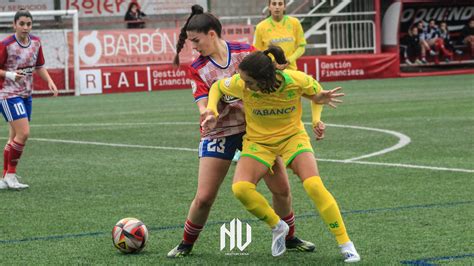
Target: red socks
(16, 149)
(290, 220)
(191, 232)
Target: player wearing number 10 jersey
(20, 56)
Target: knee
(22, 136)
(282, 193)
(241, 189)
(204, 201)
(314, 185)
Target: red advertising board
(141, 46)
(348, 67)
(134, 79)
(165, 77)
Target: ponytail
(195, 9)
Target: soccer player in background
(218, 59)
(287, 33)
(20, 55)
(273, 109)
(283, 31)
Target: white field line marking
(112, 144)
(195, 150)
(401, 165)
(398, 146)
(403, 140)
(113, 124)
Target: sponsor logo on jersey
(27, 71)
(229, 99)
(280, 40)
(279, 111)
(227, 82)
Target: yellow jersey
(270, 117)
(288, 34)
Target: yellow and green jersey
(287, 33)
(270, 117)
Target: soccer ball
(130, 235)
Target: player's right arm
(257, 38)
(229, 86)
(11, 75)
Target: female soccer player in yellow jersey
(281, 30)
(219, 59)
(272, 106)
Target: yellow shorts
(287, 149)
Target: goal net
(58, 31)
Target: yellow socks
(255, 203)
(327, 207)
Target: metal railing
(351, 36)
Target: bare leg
(212, 172)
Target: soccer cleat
(423, 61)
(299, 244)
(3, 184)
(11, 179)
(433, 53)
(408, 62)
(181, 250)
(418, 62)
(349, 252)
(278, 241)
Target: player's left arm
(43, 73)
(312, 87)
(300, 43)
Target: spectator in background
(467, 35)
(425, 41)
(445, 35)
(134, 17)
(411, 43)
(431, 41)
(283, 31)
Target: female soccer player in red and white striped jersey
(20, 55)
(218, 59)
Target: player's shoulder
(239, 47)
(265, 23)
(35, 38)
(293, 19)
(230, 81)
(297, 77)
(8, 40)
(296, 74)
(200, 62)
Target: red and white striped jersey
(15, 56)
(205, 72)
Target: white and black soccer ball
(130, 235)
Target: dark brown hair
(200, 22)
(22, 13)
(270, 13)
(259, 66)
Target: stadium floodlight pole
(75, 31)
